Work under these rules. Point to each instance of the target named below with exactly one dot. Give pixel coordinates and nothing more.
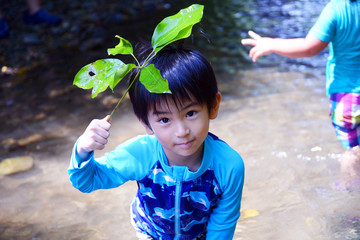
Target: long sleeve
(91, 174)
(129, 161)
(223, 220)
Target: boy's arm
(90, 174)
(223, 220)
(109, 171)
(87, 174)
(123, 164)
(292, 48)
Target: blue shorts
(345, 116)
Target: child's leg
(350, 168)
(345, 115)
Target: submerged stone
(14, 165)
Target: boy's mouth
(186, 144)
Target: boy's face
(182, 129)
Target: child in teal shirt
(338, 26)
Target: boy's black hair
(189, 74)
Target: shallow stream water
(274, 113)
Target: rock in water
(16, 164)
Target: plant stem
(123, 96)
(151, 55)
(148, 58)
(135, 59)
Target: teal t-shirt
(339, 24)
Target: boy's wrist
(81, 152)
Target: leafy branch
(105, 73)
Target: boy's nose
(182, 130)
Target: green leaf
(121, 73)
(176, 27)
(97, 75)
(124, 47)
(151, 78)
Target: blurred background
(274, 113)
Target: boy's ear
(147, 128)
(215, 107)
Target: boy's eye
(190, 113)
(164, 120)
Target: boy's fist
(95, 137)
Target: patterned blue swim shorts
(345, 116)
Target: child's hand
(261, 45)
(95, 137)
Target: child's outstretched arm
(292, 48)
(95, 137)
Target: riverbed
(284, 136)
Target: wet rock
(30, 139)
(5, 70)
(32, 38)
(8, 143)
(110, 101)
(14, 165)
(53, 93)
(91, 44)
(249, 213)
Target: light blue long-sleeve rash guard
(171, 202)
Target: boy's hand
(261, 45)
(95, 137)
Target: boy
(338, 24)
(189, 181)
